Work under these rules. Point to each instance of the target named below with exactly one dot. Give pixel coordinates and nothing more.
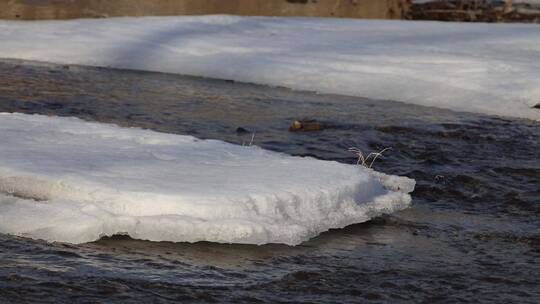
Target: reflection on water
(472, 234)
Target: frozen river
(471, 235)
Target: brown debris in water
(305, 125)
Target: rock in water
(305, 125)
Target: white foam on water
(64, 179)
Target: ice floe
(64, 179)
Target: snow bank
(63, 179)
(483, 68)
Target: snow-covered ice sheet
(63, 179)
(483, 68)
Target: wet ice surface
(472, 234)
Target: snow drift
(482, 68)
(63, 179)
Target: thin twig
(250, 142)
(252, 138)
(363, 160)
(377, 154)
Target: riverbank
(67, 9)
(525, 11)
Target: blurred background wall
(68, 9)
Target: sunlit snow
(476, 67)
(63, 179)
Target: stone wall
(68, 9)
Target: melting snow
(64, 179)
(482, 68)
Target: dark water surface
(472, 234)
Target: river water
(472, 234)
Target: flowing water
(471, 235)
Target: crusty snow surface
(64, 179)
(475, 67)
